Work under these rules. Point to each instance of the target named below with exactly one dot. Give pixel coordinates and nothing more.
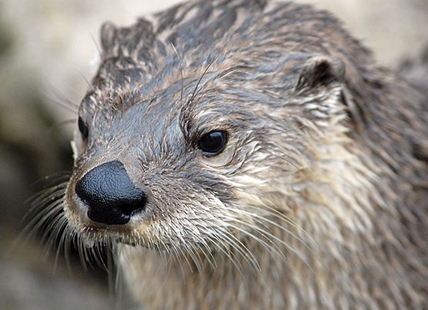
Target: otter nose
(109, 194)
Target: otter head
(194, 147)
(196, 159)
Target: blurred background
(47, 48)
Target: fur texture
(317, 200)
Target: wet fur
(318, 200)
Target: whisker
(267, 223)
(238, 247)
(99, 49)
(58, 98)
(281, 217)
(192, 96)
(271, 240)
(181, 73)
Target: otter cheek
(109, 194)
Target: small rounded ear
(108, 37)
(320, 71)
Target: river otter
(250, 155)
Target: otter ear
(318, 73)
(108, 38)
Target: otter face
(199, 163)
(191, 145)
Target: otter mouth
(98, 229)
(92, 234)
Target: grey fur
(317, 201)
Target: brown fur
(319, 198)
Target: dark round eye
(213, 142)
(84, 131)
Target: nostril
(109, 194)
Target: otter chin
(251, 155)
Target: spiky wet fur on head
(316, 201)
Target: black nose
(109, 194)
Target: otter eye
(213, 142)
(84, 131)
